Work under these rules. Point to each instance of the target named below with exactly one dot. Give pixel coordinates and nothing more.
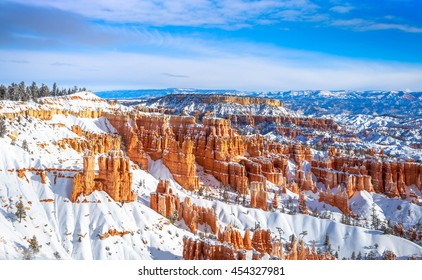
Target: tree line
(22, 92)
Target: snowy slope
(73, 229)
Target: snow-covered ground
(72, 230)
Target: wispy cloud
(175, 75)
(63, 64)
(360, 24)
(252, 72)
(223, 13)
(16, 61)
(342, 9)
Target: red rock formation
(303, 208)
(303, 252)
(278, 251)
(43, 177)
(247, 242)
(194, 249)
(77, 130)
(164, 201)
(370, 174)
(128, 129)
(181, 162)
(193, 214)
(339, 199)
(261, 241)
(275, 201)
(113, 232)
(98, 143)
(233, 236)
(259, 195)
(115, 177)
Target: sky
(213, 44)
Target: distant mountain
(313, 102)
(153, 93)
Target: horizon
(261, 45)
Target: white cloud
(342, 9)
(360, 24)
(226, 13)
(114, 70)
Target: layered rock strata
(114, 177)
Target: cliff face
(370, 174)
(230, 247)
(202, 250)
(97, 143)
(128, 131)
(259, 195)
(180, 160)
(194, 215)
(115, 177)
(261, 241)
(164, 201)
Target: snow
(73, 229)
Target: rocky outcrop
(339, 199)
(180, 160)
(233, 236)
(194, 249)
(303, 208)
(164, 201)
(112, 232)
(115, 177)
(372, 173)
(261, 241)
(274, 203)
(194, 215)
(217, 148)
(128, 130)
(302, 252)
(259, 195)
(97, 143)
(228, 247)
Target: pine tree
(54, 91)
(20, 211)
(25, 145)
(375, 221)
(225, 195)
(57, 255)
(174, 217)
(34, 247)
(353, 256)
(201, 190)
(2, 127)
(327, 243)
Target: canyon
(212, 180)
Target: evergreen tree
(371, 255)
(57, 255)
(353, 256)
(375, 221)
(327, 240)
(34, 247)
(359, 257)
(2, 127)
(3, 92)
(225, 195)
(201, 190)
(25, 145)
(54, 90)
(20, 211)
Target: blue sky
(217, 44)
